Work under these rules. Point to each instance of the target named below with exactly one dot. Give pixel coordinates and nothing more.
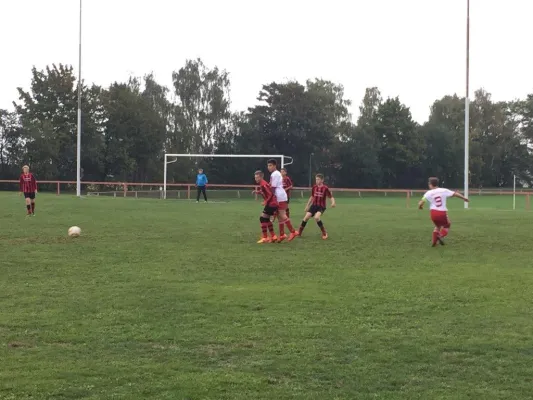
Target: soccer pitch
(175, 300)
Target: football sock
(289, 225)
(270, 227)
(435, 237)
(28, 207)
(321, 226)
(264, 226)
(281, 228)
(32, 207)
(302, 226)
(444, 232)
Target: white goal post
(172, 158)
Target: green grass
(175, 300)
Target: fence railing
(187, 190)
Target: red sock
(444, 232)
(289, 225)
(264, 229)
(435, 236)
(32, 207)
(281, 227)
(270, 227)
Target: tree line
(128, 127)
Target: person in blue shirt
(201, 183)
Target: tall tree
(401, 145)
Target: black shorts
(29, 195)
(269, 210)
(315, 209)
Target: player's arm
(460, 196)
(422, 202)
(269, 194)
(290, 185)
(34, 181)
(308, 203)
(331, 198)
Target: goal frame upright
(285, 160)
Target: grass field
(175, 300)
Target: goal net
(225, 173)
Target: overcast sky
(411, 48)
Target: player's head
(319, 179)
(200, 171)
(433, 182)
(25, 169)
(258, 176)
(272, 165)
(283, 171)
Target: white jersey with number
(437, 198)
(276, 182)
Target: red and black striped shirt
(287, 185)
(27, 183)
(319, 194)
(268, 194)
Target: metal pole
(165, 179)
(310, 169)
(78, 150)
(467, 104)
(514, 192)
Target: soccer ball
(74, 231)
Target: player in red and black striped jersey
(316, 206)
(287, 185)
(270, 204)
(28, 187)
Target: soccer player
(436, 197)
(276, 183)
(28, 187)
(316, 205)
(201, 183)
(287, 185)
(270, 204)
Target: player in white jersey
(276, 182)
(436, 197)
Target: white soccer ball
(74, 231)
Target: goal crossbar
(285, 160)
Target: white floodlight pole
(78, 149)
(165, 180)
(514, 192)
(467, 104)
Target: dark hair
(434, 181)
(260, 173)
(273, 162)
(319, 176)
(283, 169)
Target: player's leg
(28, 203)
(284, 221)
(320, 224)
(445, 229)
(32, 201)
(266, 226)
(308, 215)
(198, 191)
(204, 193)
